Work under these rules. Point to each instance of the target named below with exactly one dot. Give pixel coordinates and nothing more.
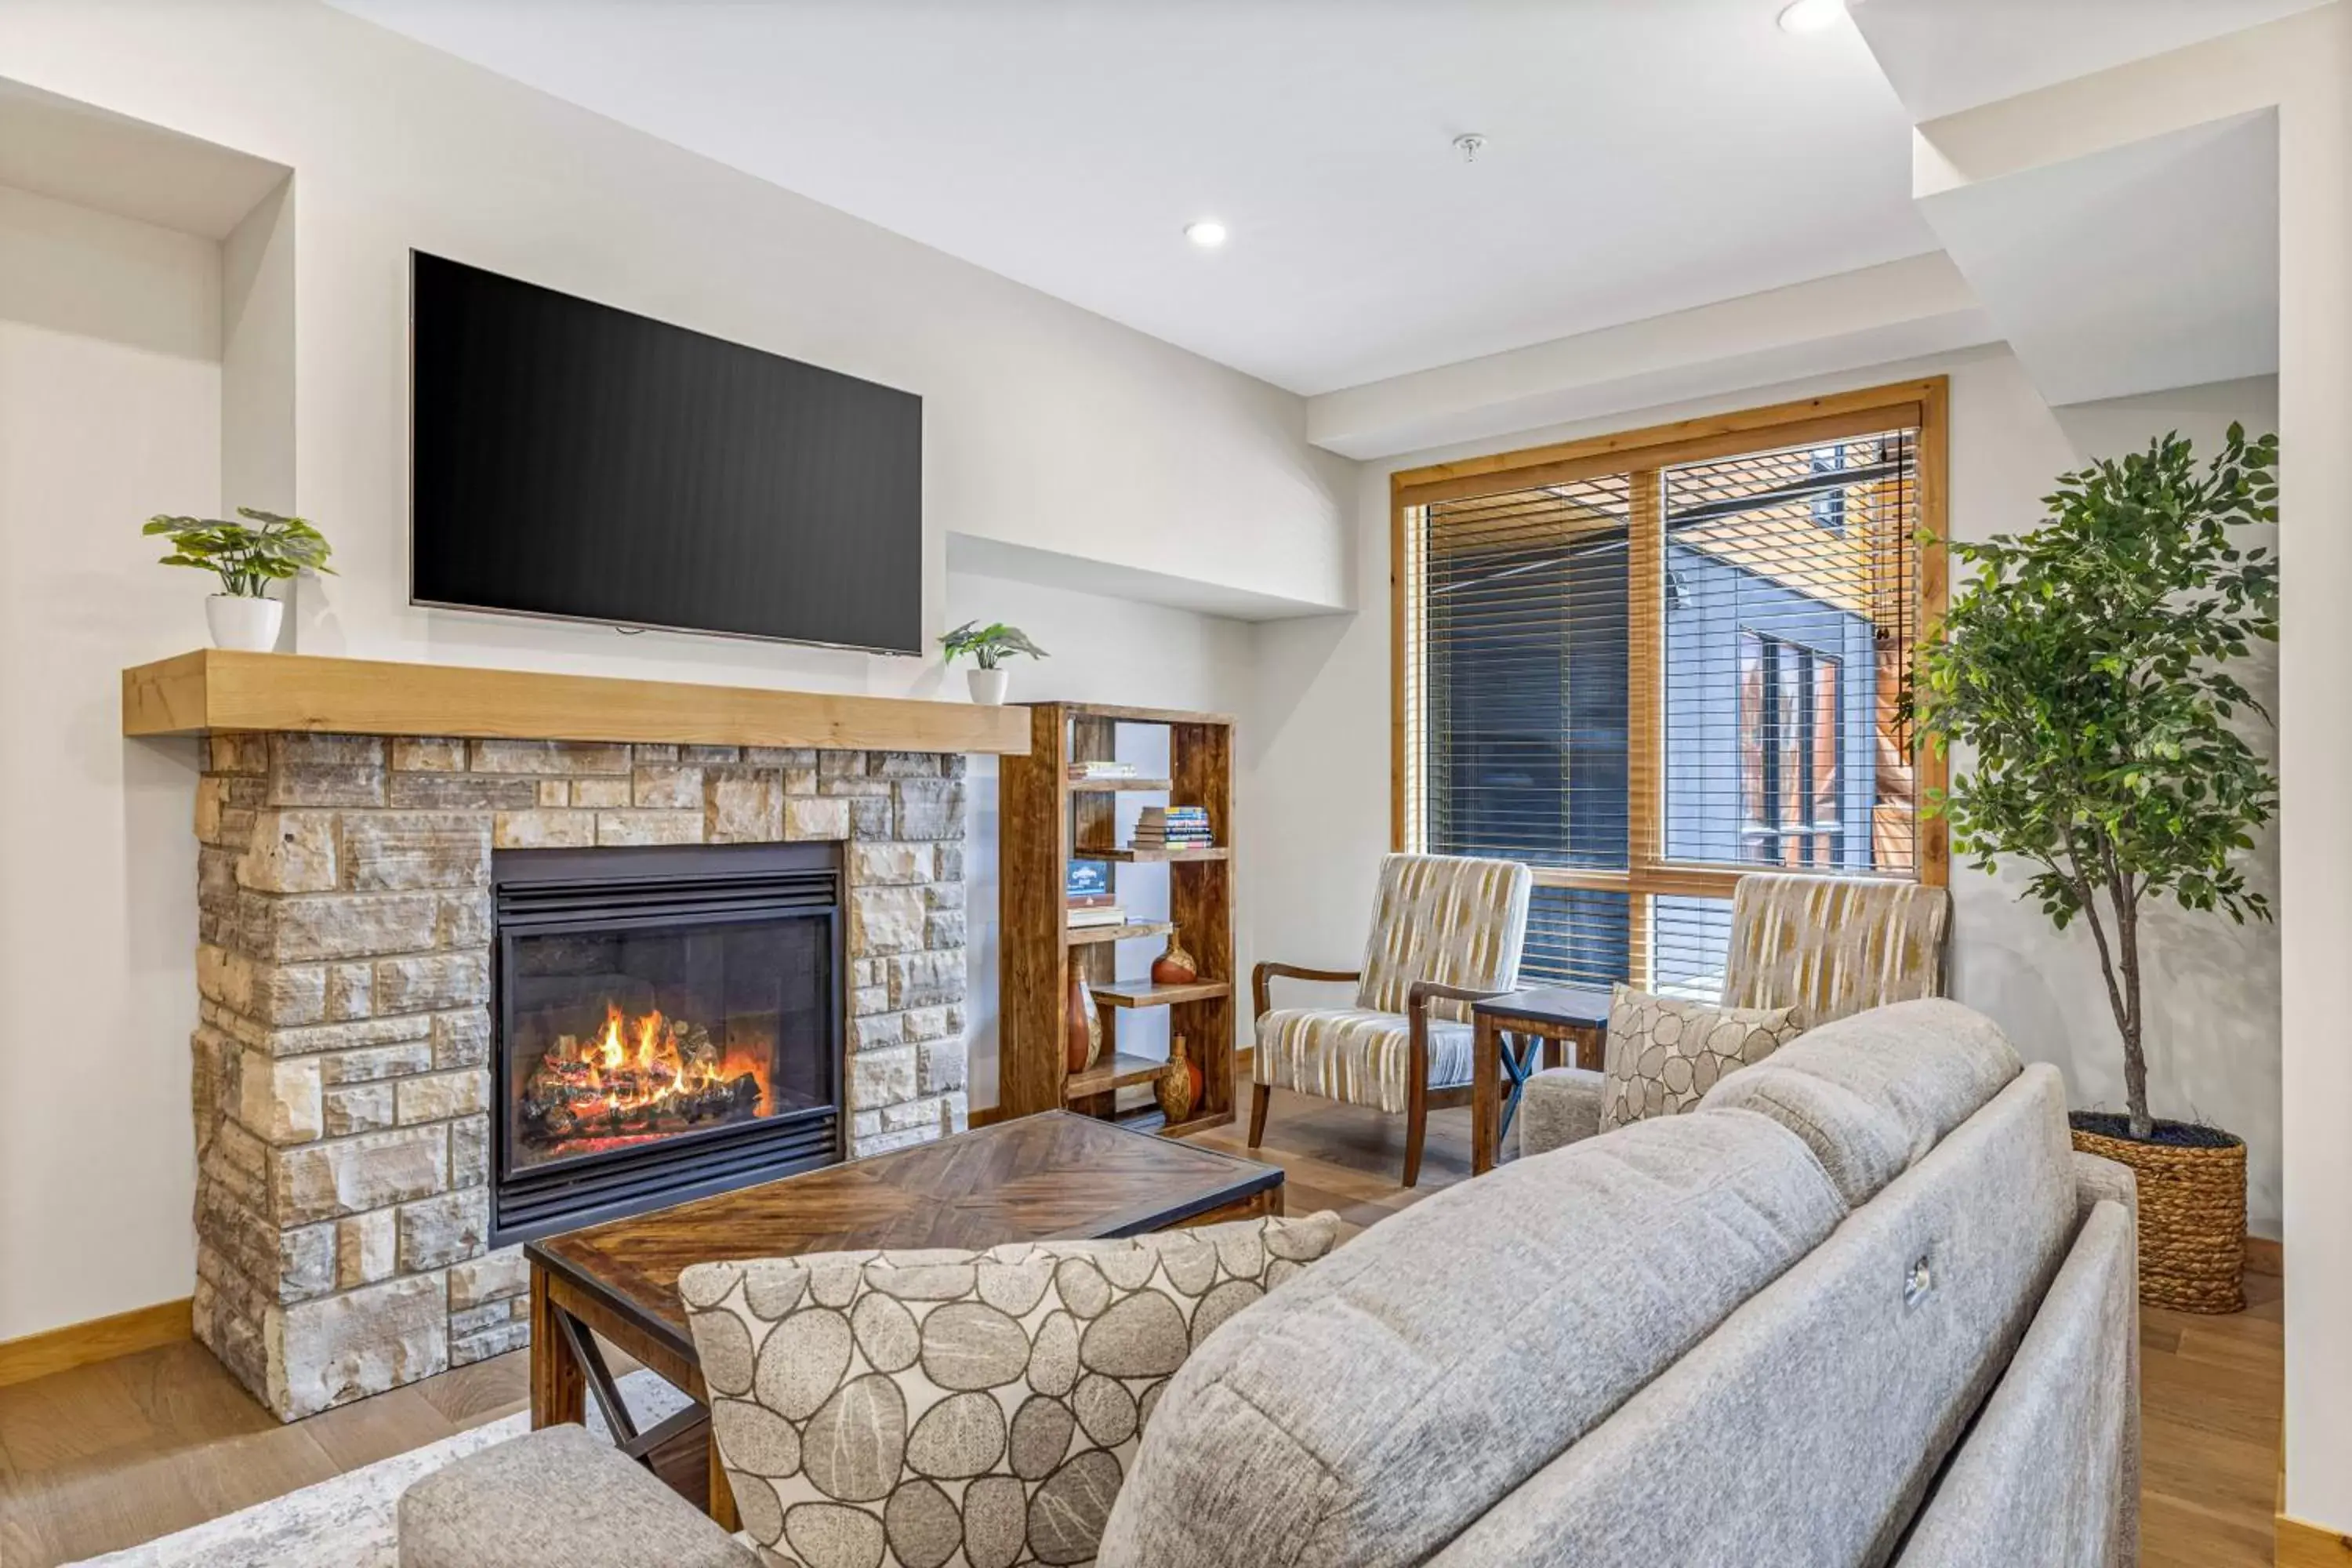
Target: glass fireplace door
(617, 1038)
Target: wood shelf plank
(1149, 994)
(1134, 857)
(1117, 1070)
(214, 688)
(1125, 714)
(1106, 786)
(1079, 936)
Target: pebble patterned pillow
(1663, 1055)
(952, 1409)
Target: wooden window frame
(1643, 453)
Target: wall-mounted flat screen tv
(573, 460)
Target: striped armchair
(1445, 930)
(1827, 946)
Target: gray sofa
(1864, 1306)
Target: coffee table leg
(1486, 1095)
(558, 1385)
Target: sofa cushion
(1923, 1066)
(1860, 1144)
(897, 1407)
(556, 1495)
(1807, 1428)
(1396, 1391)
(1353, 1055)
(1664, 1054)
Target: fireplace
(667, 1023)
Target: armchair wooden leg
(1416, 1122)
(1259, 1096)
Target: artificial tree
(2088, 664)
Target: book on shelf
(1092, 901)
(1102, 915)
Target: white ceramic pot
(248, 626)
(988, 686)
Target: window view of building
(1644, 680)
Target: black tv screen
(570, 459)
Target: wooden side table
(1555, 1015)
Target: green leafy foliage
(990, 644)
(2088, 664)
(247, 559)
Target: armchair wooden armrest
(1417, 998)
(1262, 975)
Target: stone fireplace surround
(341, 1073)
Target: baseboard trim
(2302, 1545)
(100, 1339)
(2265, 1256)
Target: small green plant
(246, 559)
(2088, 664)
(990, 644)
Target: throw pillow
(893, 1409)
(1663, 1055)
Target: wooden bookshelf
(1045, 820)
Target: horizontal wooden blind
(1791, 611)
(1645, 664)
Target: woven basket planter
(2192, 1219)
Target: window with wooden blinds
(1645, 664)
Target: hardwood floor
(106, 1455)
(112, 1454)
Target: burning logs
(649, 1075)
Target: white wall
(1318, 743)
(1045, 427)
(110, 411)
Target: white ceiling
(1643, 157)
(1945, 56)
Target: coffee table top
(1051, 1175)
(1576, 1006)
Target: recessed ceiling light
(1208, 232)
(1811, 15)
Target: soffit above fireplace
(215, 690)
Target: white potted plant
(989, 646)
(248, 557)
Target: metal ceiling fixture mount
(1469, 144)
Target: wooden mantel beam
(215, 690)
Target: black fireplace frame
(545, 892)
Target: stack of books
(1088, 891)
(1081, 772)
(1173, 828)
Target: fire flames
(644, 1076)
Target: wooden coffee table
(1051, 1175)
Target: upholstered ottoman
(557, 1495)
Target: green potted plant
(2088, 666)
(248, 557)
(989, 646)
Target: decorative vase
(1178, 1090)
(2192, 1209)
(1081, 1028)
(988, 686)
(245, 624)
(1175, 966)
